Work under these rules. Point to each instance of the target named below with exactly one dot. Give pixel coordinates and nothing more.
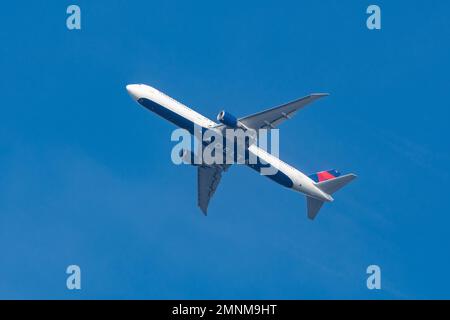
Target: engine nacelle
(227, 119)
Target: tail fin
(313, 206)
(324, 175)
(330, 186)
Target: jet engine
(227, 119)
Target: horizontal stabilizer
(329, 186)
(324, 175)
(332, 185)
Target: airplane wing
(208, 180)
(273, 117)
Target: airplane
(318, 187)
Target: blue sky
(86, 176)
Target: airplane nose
(133, 91)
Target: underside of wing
(208, 180)
(273, 117)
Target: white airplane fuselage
(184, 117)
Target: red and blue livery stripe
(325, 175)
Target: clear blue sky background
(86, 176)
